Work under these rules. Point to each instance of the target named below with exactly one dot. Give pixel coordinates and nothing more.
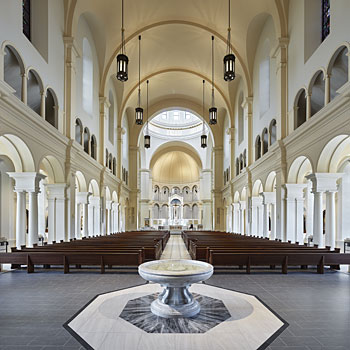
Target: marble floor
(248, 324)
(175, 249)
(34, 307)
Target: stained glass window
(326, 18)
(26, 18)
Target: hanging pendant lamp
(138, 109)
(204, 138)
(122, 58)
(147, 138)
(213, 111)
(229, 59)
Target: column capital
(56, 191)
(294, 191)
(27, 181)
(324, 182)
(83, 197)
(268, 197)
(256, 201)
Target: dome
(175, 167)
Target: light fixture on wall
(213, 111)
(204, 137)
(229, 59)
(138, 109)
(147, 137)
(122, 58)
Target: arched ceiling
(176, 43)
(175, 167)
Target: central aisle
(175, 249)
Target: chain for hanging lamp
(229, 59)
(147, 138)
(138, 109)
(122, 58)
(213, 111)
(204, 136)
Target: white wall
(262, 118)
(299, 71)
(51, 67)
(91, 121)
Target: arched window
(265, 141)
(13, 70)
(34, 89)
(240, 119)
(107, 154)
(187, 212)
(110, 160)
(317, 92)
(78, 131)
(338, 69)
(51, 108)
(88, 77)
(26, 16)
(156, 211)
(258, 147)
(273, 132)
(156, 193)
(194, 193)
(165, 212)
(86, 140)
(114, 169)
(93, 147)
(240, 163)
(237, 166)
(195, 212)
(326, 18)
(300, 109)
(264, 86)
(111, 118)
(245, 158)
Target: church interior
(175, 174)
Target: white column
(51, 219)
(77, 220)
(330, 219)
(299, 221)
(21, 219)
(241, 221)
(60, 219)
(324, 182)
(255, 216)
(109, 221)
(85, 219)
(266, 220)
(90, 220)
(318, 220)
(42, 104)
(26, 182)
(290, 220)
(260, 227)
(309, 200)
(24, 88)
(33, 219)
(273, 221)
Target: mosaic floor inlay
(138, 313)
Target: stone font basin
(176, 276)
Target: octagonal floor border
(262, 345)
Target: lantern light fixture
(139, 109)
(147, 138)
(122, 58)
(213, 111)
(203, 136)
(229, 59)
